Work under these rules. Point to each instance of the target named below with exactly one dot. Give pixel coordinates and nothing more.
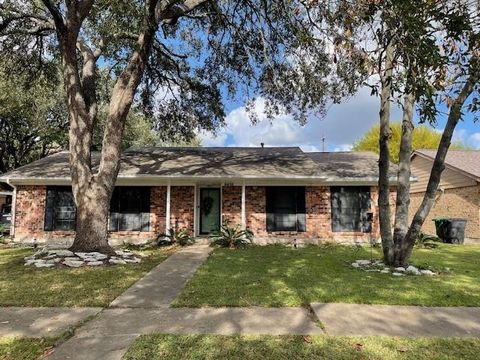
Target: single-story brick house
(458, 194)
(280, 193)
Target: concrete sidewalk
(165, 282)
(391, 320)
(41, 321)
(109, 336)
(144, 309)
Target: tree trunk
(384, 162)
(404, 173)
(405, 251)
(91, 221)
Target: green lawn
(169, 347)
(281, 276)
(23, 349)
(28, 286)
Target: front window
(350, 206)
(60, 209)
(130, 209)
(285, 208)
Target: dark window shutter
(301, 209)
(335, 208)
(49, 211)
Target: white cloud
(343, 124)
(474, 140)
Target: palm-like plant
(231, 236)
(427, 241)
(181, 237)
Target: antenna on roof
(323, 143)
(262, 144)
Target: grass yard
(23, 349)
(160, 346)
(29, 286)
(281, 276)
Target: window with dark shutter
(60, 211)
(350, 205)
(285, 208)
(130, 209)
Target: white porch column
(244, 218)
(167, 211)
(195, 214)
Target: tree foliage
(423, 137)
(33, 118)
(177, 61)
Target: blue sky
(343, 124)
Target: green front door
(209, 210)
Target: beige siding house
(459, 191)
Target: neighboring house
(458, 194)
(281, 194)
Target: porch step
(202, 241)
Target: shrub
(2, 234)
(427, 241)
(181, 237)
(231, 236)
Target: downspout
(14, 207)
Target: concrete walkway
(390, 320)
(165, 282)
(41, 321)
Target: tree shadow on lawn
(280, 276)
(87, 286)
(161, 346)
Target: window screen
(285, 208)
(350, 205)
(130, 209)
(60, 211)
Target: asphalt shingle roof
(220, 162)
(354, 165)
(464, 160)
(232, 162)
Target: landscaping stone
(60, 257)
(73, 263)
(363, 262)
(95, 263)
(117, 261)
(379, 266)
(427, 272)
(43, 265)
(61, 252)
(413, 270)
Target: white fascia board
(151, 180)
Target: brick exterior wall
(232, 204)
(255, 210)
(318, 217)
(182, 207)
(30, 207)
(30, 212)
(461, 202)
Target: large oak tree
(176, 59)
